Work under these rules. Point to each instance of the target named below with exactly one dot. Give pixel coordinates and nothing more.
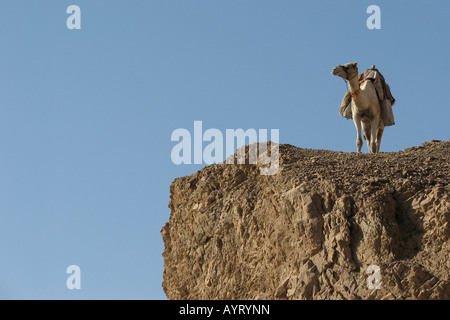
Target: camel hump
(384, 93)
(381, 86)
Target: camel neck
(354, 84)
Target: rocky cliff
(328, 225)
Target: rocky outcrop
(315, 229)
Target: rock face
(318, 229)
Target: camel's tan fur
(365, 106)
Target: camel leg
(379, 136)
(373, 142)
(367, 131)
(359, 140)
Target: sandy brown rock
(312, 230)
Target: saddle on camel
(384, 95)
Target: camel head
(347, 71)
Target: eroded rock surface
(312, 230)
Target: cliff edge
(328, 225)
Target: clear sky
(86, 116)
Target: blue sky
(86, 115)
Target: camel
(366, 110)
